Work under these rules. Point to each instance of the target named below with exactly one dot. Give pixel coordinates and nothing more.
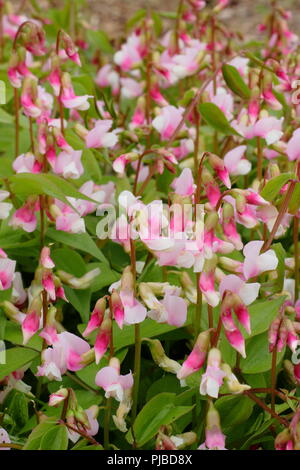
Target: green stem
(198, 309)
(259, 158)
(17, 128)
(137, 369)
(107, 422)
(81, 383)
(273, 378)
(280, 215)
(296, 255)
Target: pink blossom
(7, 269)
(69, 164)
(113, 383)
(4, 438)
(235, 163)
(256, 263)
(100, 137)
(212, 380)
(5, 207)
(65, 354)
(247, 292)
(293, 146)
(184, 184)
(27, 163)
(30, 325)
(25, 218)
(45, 259)
(106, 76)
(130, 54)
(134, 311)
(167, 121)
(172, 310)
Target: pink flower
(112, 382)
(196, 358)
(207, 287)
(65, 354)
(69, 164)
(45, 259)
(232, 333)
(96, 318)
(100, 137)
(4, 438)
(212, 380)
(130, 53)
(256, 263)
(184, 184)
(215, 439)
(269, 128)
(7, 269)
(49, 334)
(29, 97)
(172, 310)
(5, 207)
(27, 163)
(167, 121)
(293, 146)
(70, 222)
(68, 97)
(235, 163)
(25, 218)
(106, 76)
(30, 325)
(134, 311)
(131, 88)
(247, 292)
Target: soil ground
(241, 15)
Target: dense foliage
(149, 256)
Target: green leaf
(91, 165)
(274, 185)
(80, 241)
(5, 294)
(6, 118)
(100, 41)
(234, 410)
(81, 300)
(55, 438)
(258, 359)
(149, 329)
(216, 118)
(138, 16)
(294, 203)
(158, 26)
(18, 409)
(28, 184)
(235, 82)
(13, 334)
(69, 261)
(34, 439)
(281, 255)
(160, 410)
(15, 359)
(262, 313)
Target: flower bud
(96, 317)
(160, 358)
(196, 358)
(232, 382)
(58, 397)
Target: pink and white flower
(114, 384)
(99, 136)
(256, 263)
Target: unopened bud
(160, 358)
